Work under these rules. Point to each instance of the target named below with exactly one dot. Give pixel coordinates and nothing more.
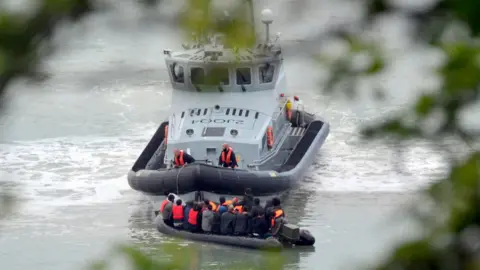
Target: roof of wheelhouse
(213, 49)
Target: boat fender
(270, 137)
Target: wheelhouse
(219, 77)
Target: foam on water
(73, 170)
(346, 163)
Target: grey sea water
(70, 140)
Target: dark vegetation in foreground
(452, 222)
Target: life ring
(166, 134)
(270, 137)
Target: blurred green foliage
(453, 232)
(453, 222)
(7, 203)
(175, 256)
(22, 35)
(201, 20)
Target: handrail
(274, 150)
(172, 125)
(281, 109)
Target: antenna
(267, 20)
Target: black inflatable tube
(208, 178)
(270, 244)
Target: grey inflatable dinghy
(270, 244)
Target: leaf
(375, 7)
(99, 265)
(377, 65)
(425, 105)
(393, 127)
(460, 72)
(138, 259)
(466, 183)
(467, 11)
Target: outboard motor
(289, 232)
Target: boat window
(211, 151)
(197, 75)
(213, 131)
(177, 73)
(266, 73)
(219, 76)
(244, 76)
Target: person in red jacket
(181, 158)
(166, 210)
(178, 214)
(195, 218)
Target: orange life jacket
(278, 213)
(226, 204)
(192, 217)
(228, 159)
(239, 208)
(163, 205)
(179, 160)
(214, 206)
(177, 211)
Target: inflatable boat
(237, 97)
(271, 243)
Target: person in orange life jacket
(207, 203)
(227, 222)
(277, 216)
(232, 202)
(227, 157)
(195, 218)
(181, 158)
(164, 202)
(166, 209)
(237, 207)
(223, 206)
(178, 214)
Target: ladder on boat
(297, 131)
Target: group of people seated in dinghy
(229, 217)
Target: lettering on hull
(218, 121)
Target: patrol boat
(247, 107)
